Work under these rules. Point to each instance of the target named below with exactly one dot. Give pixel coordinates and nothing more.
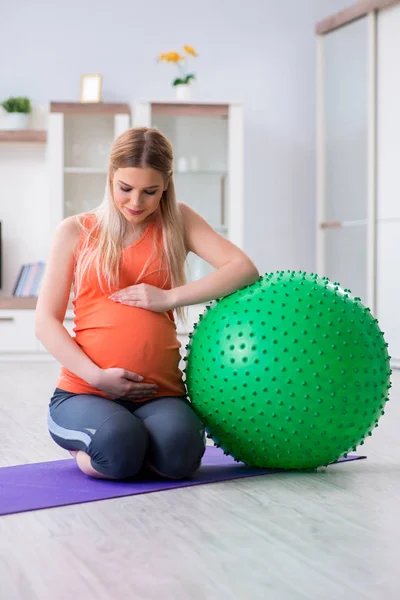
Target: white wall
(23, 208)
(259, 52)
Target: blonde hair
(140, 147)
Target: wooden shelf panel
(23, 135)
(80, 108)
(17, 303)
(186, 109)
(352, 13)
(85, 170)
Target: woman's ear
(111, 183)
(166, 183)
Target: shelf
(186, 109)
(85, 170)
(101, 171)
(21, 303)
(202, 173)
(348, 15)
(100, 108)
(23, 135)
(15, 302)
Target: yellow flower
(190, 50)
(162, 57)
(174, 57)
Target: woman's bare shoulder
(69, 230)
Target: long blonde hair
(140, 147)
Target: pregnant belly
(134, 339)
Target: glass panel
(388, 114)
(201, 141)
(87, 140)
(205, 193)
(201, 157)
(83, 192)
(196, 267)
(345, 85)
(346, 258)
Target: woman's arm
(234, 269)
(50, 313)
(53, 301)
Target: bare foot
(84, 463)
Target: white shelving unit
(75, 151)
(79, 142)
(208, 145)
(17, 339)
(358, 216)
(208, 149)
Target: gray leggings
(121, 436)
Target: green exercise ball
(291, 372)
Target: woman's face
(137, 192)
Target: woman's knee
(176, 446)
(118, 447)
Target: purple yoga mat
(60, 483)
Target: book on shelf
(29, 279)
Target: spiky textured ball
(291, 372)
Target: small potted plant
(18, 109)
(183, 81)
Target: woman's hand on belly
(121, 383)
(145, 296)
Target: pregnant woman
(120, 403)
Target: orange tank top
(116, 335)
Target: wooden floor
(332, 535)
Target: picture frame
(91, 88)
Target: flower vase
(16, 121)
(183, 92)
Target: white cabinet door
(192, 317)
(343, 158)
(345, 258)
(17, 331)
(69, 326)
(388, 284)
(345, 111)
(388, 113)
(388, 178)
